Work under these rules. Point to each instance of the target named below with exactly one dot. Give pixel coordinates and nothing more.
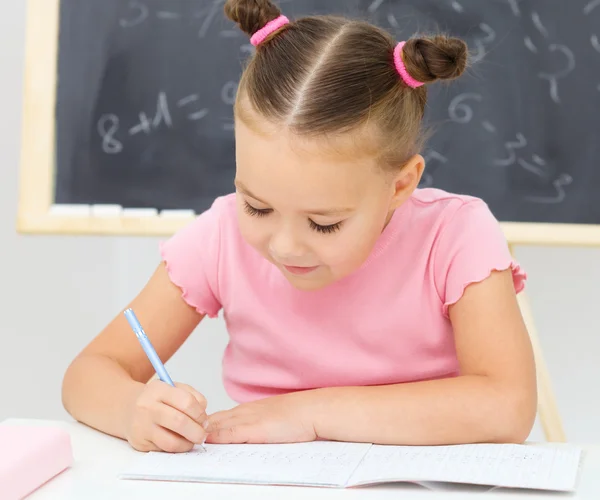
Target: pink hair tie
(409, 80)
(267, 29)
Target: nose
(285, 247)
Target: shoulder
(208, 234)
(192, 256)
(223, 208)
(220, 216)
(442, 206)
(450, 217)
(468, 242)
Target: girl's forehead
(262, 138)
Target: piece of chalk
(177, 213)
(71, 210)
(140, 212)
(107, 210)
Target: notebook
(344, 465)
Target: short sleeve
(470, 246)
(191, 257)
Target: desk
(99, 459)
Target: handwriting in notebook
(341, 465)
(501, 465)
(322, 463)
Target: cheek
(351, 246)
(252, 230)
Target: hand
(166, 418)
(280, 419)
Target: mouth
(300, 270)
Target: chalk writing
(490, 36)
(210, 13)
(553, 77)
(109, 124)
(393, 22)
(459, 111)
(138, 12)
(248, 49)
(595, 41)
(559, 185)
(457, 6)
(530, 45)
(569, 57)
(228, 93)
(591, 6)
(375, 5)
(436, 158)
(163, 14)
(137, 15)
(535, 17)
(536, 165)
(514, 5)
(488, 126)
(510, 147)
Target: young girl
(359, 307)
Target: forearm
(465, 409)
(98, 392)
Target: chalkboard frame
(37, 213)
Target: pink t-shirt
(384, 324)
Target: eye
(256, 212)
(332, 228)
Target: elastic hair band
(267, 29)
(409, 80)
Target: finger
(145, 446)
(238, 434)
(168, 441)
(217, 419)
(184, 401)
(199, 397)
(180, 423)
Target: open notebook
(342, 465)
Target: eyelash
(255, 212)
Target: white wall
(57, 292)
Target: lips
(300, 270)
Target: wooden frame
(547, 408)
(37, 213)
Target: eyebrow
(322, 212)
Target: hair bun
(435, 58)
(251, 15)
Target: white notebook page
(505, 465)
(319, 463)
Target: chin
(308, 285)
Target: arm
(112, 370)
(493, 400)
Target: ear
(407, 179)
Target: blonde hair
(323, 76)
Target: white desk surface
(99, 459)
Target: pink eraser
(31, 456)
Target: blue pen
(147, 346)
(150, 352)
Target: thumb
(198, 396)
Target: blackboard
(144, 94)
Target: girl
(359, 307)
